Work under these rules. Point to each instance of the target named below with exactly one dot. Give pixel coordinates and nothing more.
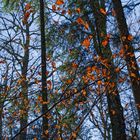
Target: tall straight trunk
(113, 98)
(24, 88)
(129, 52)
(1, 108)
(43, 65)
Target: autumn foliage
(69, 70)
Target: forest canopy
(69, 70)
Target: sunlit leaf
(80, 21)
(86, 43)
(130, 37)
(103, 11)
(59, 2)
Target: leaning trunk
(129, 52)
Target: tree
(129, 55)
(44, 70)
(105, 54)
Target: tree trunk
(1, 108)
(44, 78)
(113, 98)
(129, 52)
(24, 87)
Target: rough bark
(129, 52)
(43, 65)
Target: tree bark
(43, 66)
(129, 55)
(1, 108)
(113, 98)
(24, 87)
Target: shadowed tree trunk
(129, 52)
(24, 87)
(43, 65)
(113, 98)
(1, 108)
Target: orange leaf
(53, 8)
(78, 10)
(86, 26)
(93, 68)
(104, 43)
(92, 77)
(46, 132)
(103, 11)
(80, 21)
(26, 16)
(69, 81)
(86, 43)
(88, 69)
(74, 65)
(39, 98)
(59, 2)
(117, 69)
(130, 37)
(85, 79)
(133, 74)
(27, 6)
(99, 82)
(74, 134)
(90, 36)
